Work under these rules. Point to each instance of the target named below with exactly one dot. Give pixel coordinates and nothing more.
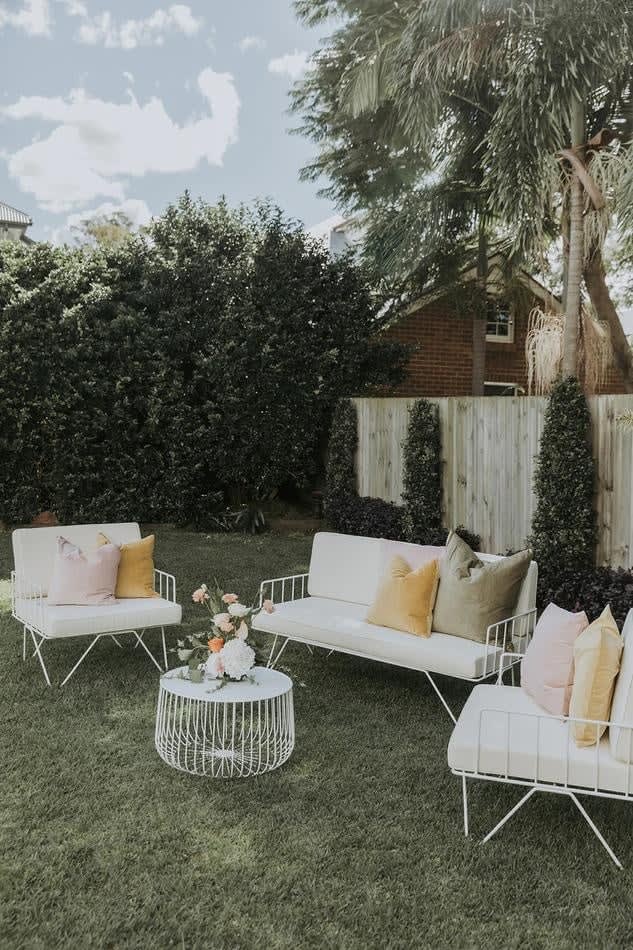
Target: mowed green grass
(355, 843)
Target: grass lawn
(355, 843)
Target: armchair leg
(507, 817)
(162, 634)
(23, 644)
(81, 659)
(141, 642)
(38, 654)
(596, 831)
(465, 800)
(272, 659)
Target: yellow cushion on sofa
(597, 655)
(136, 567)
(406, 598)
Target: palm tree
(541, 77)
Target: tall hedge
(194, 366)
(422, 475)
(564, 525)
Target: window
(502, 389)
(499, 322)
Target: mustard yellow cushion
(136, 567)
(405, 598)
(597, 654)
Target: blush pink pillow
(547, 671)
(84, 579)
(416, 555)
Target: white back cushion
(621, 740)
(34, 549)
(346, 567)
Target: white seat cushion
(341, 626)
(509, 744)
(127, 614)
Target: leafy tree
(385, 102)
(190, 367)
(106, 230)
(564, 523)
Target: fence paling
(489, 450)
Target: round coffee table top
(263, 683)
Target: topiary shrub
(422, 475)
(340, 500)
(376, 518)
(591, 590)
(564, 523)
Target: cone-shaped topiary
(564, 523)
(422, 475)
(341, 494)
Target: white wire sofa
(503, 736)
(327, 607)
(34, 552)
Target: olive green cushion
(474, 594)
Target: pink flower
(221, 618)
(226, 627)
(268, 606)
(199, 596)
(230, 598)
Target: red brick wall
(441, 364)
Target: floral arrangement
(226, 653)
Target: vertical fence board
(489, 452)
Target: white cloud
(251, 42)
(104, 30)
(96, 145)
(32, 16)
(290, 64)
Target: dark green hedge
(188, 368)
(422, 474)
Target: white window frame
(494, 382)
(493, 338)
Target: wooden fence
(489, 448)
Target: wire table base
(242, 729)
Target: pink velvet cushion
(83, 579)
(547, 671)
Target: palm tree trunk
(576, 250)
(479, 319)
(605, 308)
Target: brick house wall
(441, 363)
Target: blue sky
(111, 105)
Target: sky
(109, 105)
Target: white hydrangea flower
(238, 658)
(214, 667)
(238, 610)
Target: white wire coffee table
(242, 729)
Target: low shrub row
(590, 590)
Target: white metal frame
(538, 785)
(204, 734)
(516, 630)
(23, 589)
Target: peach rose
(215, 644)
(226, 627)
(230, 598)
(220, 618)
(199, 596)
(268, 606)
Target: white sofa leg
(596, 831)
(442, 700)
(142, 643)
(23, 644)
(465, 799)
(272, 659)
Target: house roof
(10, 215)
(496, 263)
